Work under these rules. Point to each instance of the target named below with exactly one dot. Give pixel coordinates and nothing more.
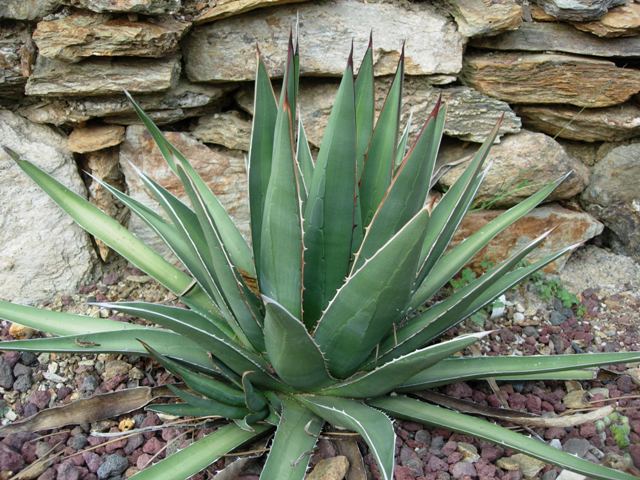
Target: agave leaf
(365, 106)
(213, 407)
(305, 161)
(281, 237)
(380, 157)
(253, 399)
(293, 444)
(462, 369)
(409, 188)
(384, 379)
(288, 93)
(329, 211)
(415, 410)
(584, 374)
(179, 410)
(374, 426)
(401, 150)
(363, 310)
(461, 254)
(295, 356)
(200, 454)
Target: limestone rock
(522, 164)
(16, 57)
(222, 169)
(182, 101)
(550, 78)
(611, 124)
(578, 10)
(558, 37)
(613, 197)
(333, 468)
(95, 137)
(226, 50)
(229, 129)
(623, 21)
(42, 250)
(147, 7)
(470, 114)
(571, 227)
(229, 8)
(478, 18)
(27, 9)
(103, 76)
(82, 35)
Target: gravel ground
(30, 383)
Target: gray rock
(522, 164)
(577, 446)
(578, 10)
(6, 374)
(16, 57)
(479, 18)
(229, 129)
(113, 465)
(462, 469)
(613, 197)
(147, 7)
(556, 318)
(27, 9)
(77, 442)
(226, 50)
(42, 251)
(22, 383)
(89, 384)
(103, 76)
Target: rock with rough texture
(614, 198)
(229, 129)
(623, 21)
(558, 37)
(571, 227)
(529, 466)
(95, 137)
(147, 7)
(479, 18)
(550, 78)
(470, 114)
(16, 58)
(229, 8)
(333, 468)
(222, 169)
(578, 10)
(103, 76)
(521, 165)
(182, 101)
(83, 34)
(27, 9)
(226, 50)
(42, 251)
(611, 124)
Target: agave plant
(329, 316)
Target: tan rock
(623, 21)
(228, 8)
(148, 7)
(103, 76)
(229, 129)
(20, 332)
(479, 18)
(113, 368)
(571, 227)
(521, 165)
(222, 169)
(16, 58)
(226, 50)
(27, 9)
(95, 137)
(539, 15)
(611, 124)
(84, 35)
(559, 37)
(550, 78)
(529, 466)
(578, 10)
(334, 468)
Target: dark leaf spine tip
(12, 153)
(404, 42)
(370, 46)
(350, 59)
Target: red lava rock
(17, 440)
(48, 474)
(68, 471)
(40, 398)
(10, 460)
(634, 451)
(92, 461)
(588, 430)
(153, 445)
(533, 403)
(459, 390)
(412, 426)
(151, 420)
(63, 392)
(143, 460)
(491, 453)
(555, 432)
(170, 433)
(486, 470)
(450, 447)
(463, 469)
(454, 457)
(112, 447)
(517, 401)
(12, 358)
(436, 464)
(494, 401)
(513, 475)
(133, 443)
(28, 452)
(403, 473)
(625, 383)
(635, 426)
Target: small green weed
(618, 426)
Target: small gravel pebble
(113, 465)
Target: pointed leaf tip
(12, 153)
(370, 39)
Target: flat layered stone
(611, 124)
(558, 37)
(520, 165)
(578, 10)
(570, 227)
(103, 76)
(479, 18)
(147, 7)
(84, 35)
(17, 54)
(95, 137)
(623, 21)
(226, 50)
(27, 9)
(229, 8)
(550, 78)
(42, 251)
(229, 129)
(222, 169)
(470, 114)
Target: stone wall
(565, 78)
